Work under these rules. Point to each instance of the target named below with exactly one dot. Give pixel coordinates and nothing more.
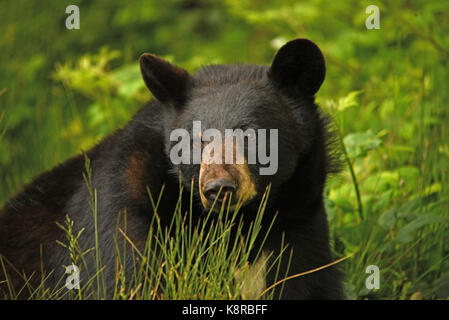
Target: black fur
(279, 97)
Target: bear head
(238, 128)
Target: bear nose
(213, 188)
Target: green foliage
(387, 91)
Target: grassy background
(63, 90)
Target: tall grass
(184, 260)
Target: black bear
(280, 96)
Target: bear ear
(298, 67)
(166, 82)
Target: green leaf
(388, 219)
(348, 101)
(360, 143)
(130, 80)
(405, 234)
(380, 182)
(413, 206)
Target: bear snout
(224, 181)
